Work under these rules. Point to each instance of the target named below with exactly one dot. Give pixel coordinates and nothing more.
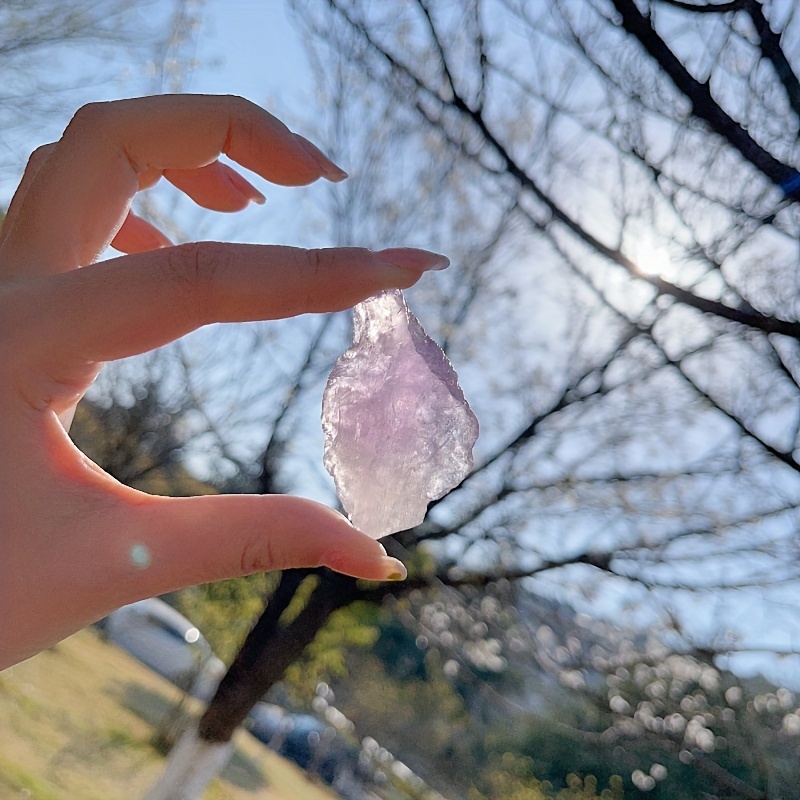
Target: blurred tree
(140, 46)
(138, 444)
(655, 259)
(224, 611)
(667, 721)
(617, 189)
(511, 779)
(354, 628)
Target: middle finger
(80, 196)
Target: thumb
(186, 541)
(136, 545)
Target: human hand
(76, 543)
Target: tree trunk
(191, 766)
(270, 647)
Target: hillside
(78, 721)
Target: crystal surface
(398, 430)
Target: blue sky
(249, 48)
(252, 49)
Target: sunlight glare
(650, 259)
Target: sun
(650, 258)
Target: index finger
(79, 198)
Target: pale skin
(77, 544)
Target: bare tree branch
(753, 319)
(713, 8)
(772, 50)
(703, 104)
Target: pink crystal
(398, 431)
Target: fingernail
(412, 258)
(331, 171)
(246, 188)
(394, 570)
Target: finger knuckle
(242, 116)
(317, 263)
(39, 156)
(190, 271)
(87, 117)
(258, 556)
(316, 260)
(238, 106)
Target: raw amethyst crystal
(398, 431)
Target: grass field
(78, 722)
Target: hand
(76, 543)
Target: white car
(158, 636)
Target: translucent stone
(398, 431)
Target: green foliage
(299, 600)
(418, 702)
(21, 782)
(398, 651)
(555, 750)
(225, 611)
(351, 628)
(414, 718)
(420, 563)
(510, 777)
(579, 788)
(679, 729)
